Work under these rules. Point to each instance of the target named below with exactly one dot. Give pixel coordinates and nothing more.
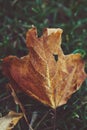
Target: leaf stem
(54, 119)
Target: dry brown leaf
(38, 74)
(9, 121)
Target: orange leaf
(38, 74)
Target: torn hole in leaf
(55, 57)
(11, 125)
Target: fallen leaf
(38, 74)
(9, 121)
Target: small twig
(22, 38)
(17, 101)
(41, 120)
(5, 98)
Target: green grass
(16, 17)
